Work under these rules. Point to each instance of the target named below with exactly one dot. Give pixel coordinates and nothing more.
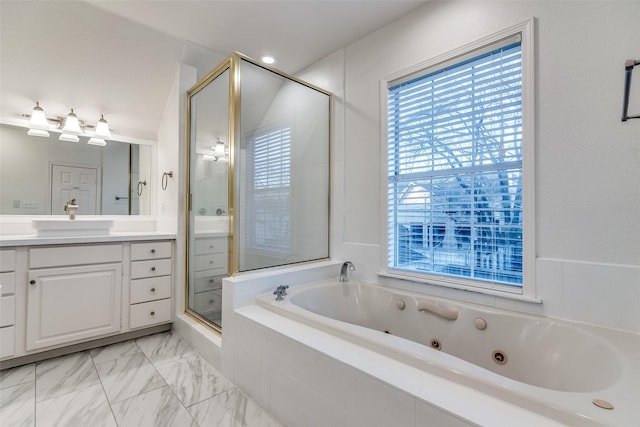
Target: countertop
(33, 240)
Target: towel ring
(165, 179)
(140, 187)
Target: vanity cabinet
(59, 297)
(7, 302)
(150, 286)
(73, 293)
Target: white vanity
(62, 294)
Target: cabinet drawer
(7, 260)
(7, 311)
(206, 302)
(211, 246)
(151, 268)
(149, 313)
(211, 261)
(7, 341)
(8, 283)
(207, 282)
(74, 255)
(151, 250)
(155, 288)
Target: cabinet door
(72, 303)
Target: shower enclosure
(258, 167)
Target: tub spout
(280, 292)
(437, 310)
(344, 275)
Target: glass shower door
(209, 213)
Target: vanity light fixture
(38, 124)
(102, 129)
(97, 141)
(71, 128)
(219, 148)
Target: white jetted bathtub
(568, 372)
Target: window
(455, 192)
(269, 178)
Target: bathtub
(568, 372)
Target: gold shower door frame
(233, 65)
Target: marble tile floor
(152, 381)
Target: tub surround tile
(437, 417)
(586, 285)
(156, 408)
(19, 375)
(193, 380)
(17, 405)
(115, 351)
(87, 407)
(164, 348)
(128, 376)
(65, 374)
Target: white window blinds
(455, 168)
(268, 204)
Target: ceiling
(119, 58)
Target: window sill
(460, 287)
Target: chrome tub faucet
(346, 267)
(280, 292)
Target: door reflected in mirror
(39, 175)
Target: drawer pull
(153, 289)
(153, 251)
(32, 282)
(210, 262)
(210, 301)
(211, 280)
(210, 246)
(153, 313)
(153, 269)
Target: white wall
(587, 174)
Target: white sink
(65, 227)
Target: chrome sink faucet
(344, 275)
(71, 208)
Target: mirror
(104, 180)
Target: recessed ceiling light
(268, 59)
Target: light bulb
(102, 129)
(38, 120)
(71, 125)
